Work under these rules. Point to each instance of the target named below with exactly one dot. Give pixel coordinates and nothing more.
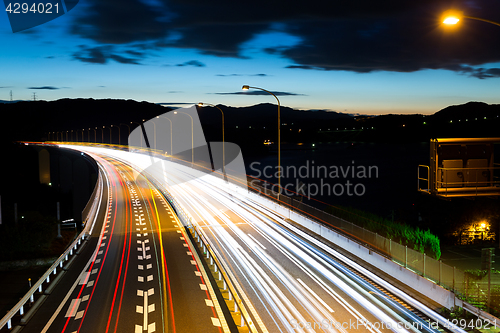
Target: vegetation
(416, 238)
(34, 236)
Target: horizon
(373, 61)
(184, 104)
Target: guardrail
(44, 285)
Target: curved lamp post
(133, 122)
(192, 135)
(223, 142)
(453, 17)
(171, 151)
(245, 87)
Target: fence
(48, 281)
(442, 274)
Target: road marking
(150, 278)
(98, 261)
(256, 241)
(178, 231)
(84, 278)
(193, 262)
(85, 298)
(197, 273)
(216, 322)
(185, 245)
(189, 253)
(181, 238)
(100, 252)
(149, 266)
(209, 302)
(79, 314)
(140, 278)
(94, 271)
(315, 296)
(90, 284)
(140, 267)
(203, 286)
(145, 309)
(73, 307)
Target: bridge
(208, 255)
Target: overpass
(250, 266)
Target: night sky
(367, 57)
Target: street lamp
(452, 17)
(171, 151)
(223, 142)
(192, 136)
(133, 122)
(127, 127)
(245, 87)
(95, 135)
(119, 134)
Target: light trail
(293, 282)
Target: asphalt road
(137, 273)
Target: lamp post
(95, 135)
(127, 127)
(133, 122)
(245, 87)
(223, 142)
(192, 135)
(171, 151)
(119, 134)
(452, 17)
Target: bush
(420, 240)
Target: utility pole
(11, 95)
(34, 96)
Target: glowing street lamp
(452, 17)
(245, 87)
(223, 142)
(170, 121)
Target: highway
(138, 273)
(289, 280)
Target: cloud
(194, 63)
(45, 88)
(360, 36)
(101, 55)
(260, 75)
(260, 92)
(480, 73)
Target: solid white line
(315, 295)
(256, 241)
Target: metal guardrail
(58, 264)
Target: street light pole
(192, 135)
(171, 151)
(133, 122)
(127, 127)
(119, 134)
(223, 141)
(245, 87)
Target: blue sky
(187, 58)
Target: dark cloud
(194, 63)
(480, 73)
(101, 55)
(360, 36)
(260, 92)
(260, 75)
(45, 88)
(120, 22)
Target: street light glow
(451, 20)
(245, 87)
